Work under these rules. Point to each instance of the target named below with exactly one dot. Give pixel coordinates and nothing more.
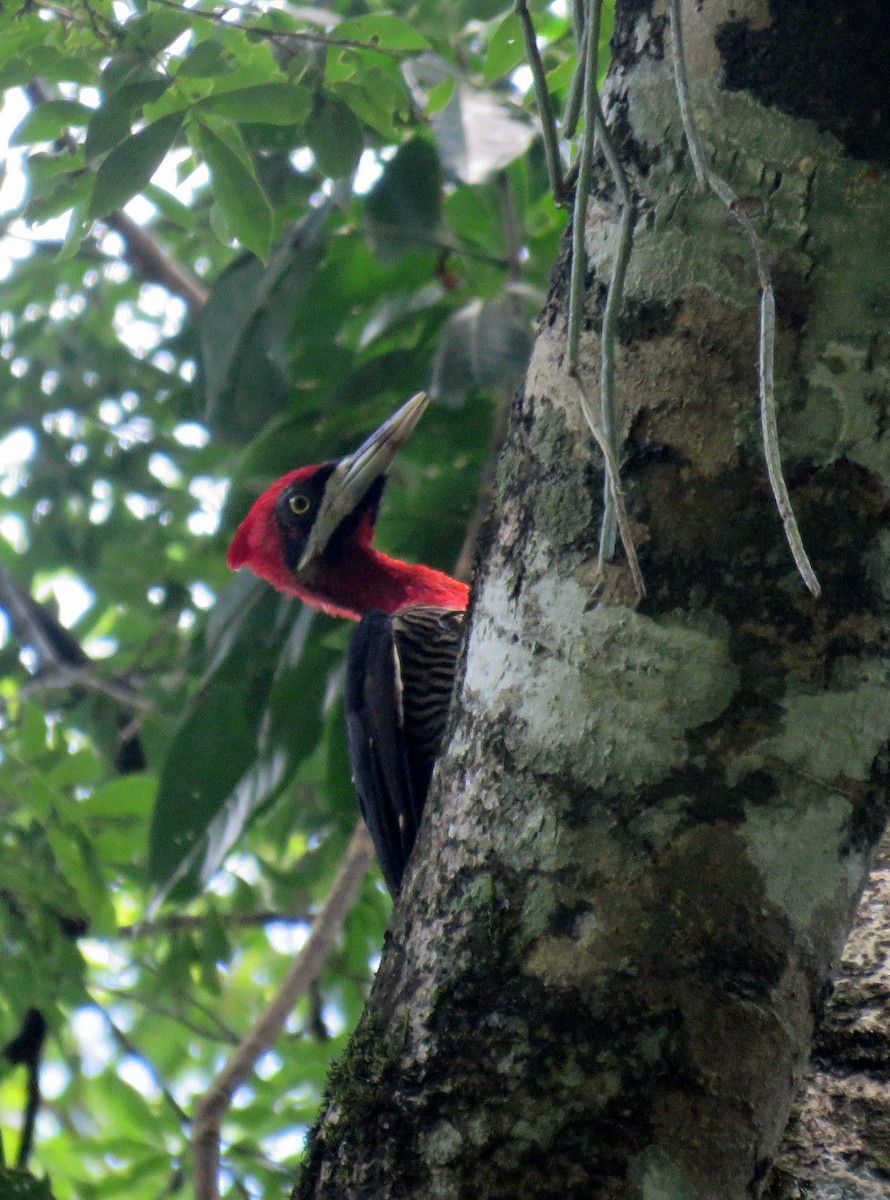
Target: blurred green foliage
(169, 730)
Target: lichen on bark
(646, 839)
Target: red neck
(369, 581)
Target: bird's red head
(310, 533)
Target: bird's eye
(299, 504)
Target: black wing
(399, 677)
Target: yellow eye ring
(299, 505)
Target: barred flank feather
(427, 645)
(400, 675)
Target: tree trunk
(647, 838)
(837, 1144)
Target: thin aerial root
(767, 336)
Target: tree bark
(647, 838)
(837, 1144)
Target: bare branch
(582, 195)
(60, 676)
(34, 625)
(63, 661)
(184, 923)
(304, 971)
(150, 259)
(609, 332)
(129, 1047)
(464, 566)
(214, 1031)
(576, 90)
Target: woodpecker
(310, 535)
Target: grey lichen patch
(775, 64)
(593, 845)
(657, 1177)
(567, 961)
(844, 415)
(546, 377)
(442, 1144)
(824, 218)
(563, 513)
(605, 693)
(828, 742)
(702, 55)
(877, 563)
(656, 823)
(760, 152)
(831, 735)
(801, 867)
(673, 372)
(552, 442)
(538, 907)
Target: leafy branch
(285, 35)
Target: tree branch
(63, 660)
(285, 35)
(142, 249)
(129, 1047)
(215, 1031)
(145, 253)
(305, 969)
(185, 923)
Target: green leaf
(51, 64)
(383, 30)
(240, 297)
(439, 96)
(483, 345)
(78, 227)
(377, 99)
(71, 190)
(215, 748)
(335, 136)
(154, 31)
(32, 731)
(129, 796)
(255, 720)
(20, 1185)
(238, 193)
(482, 10)
(265, 104)
(112, 122)
(205, 61)
(81, 870)
(170, 208)
(78, 768)
(45, 122)
(233, 608)
(133, 1116)
(131, 164)
(405, 204)
(506, 49)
